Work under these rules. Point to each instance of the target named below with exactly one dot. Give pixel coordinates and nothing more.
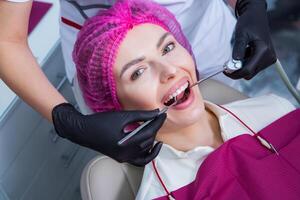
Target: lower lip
(187, 102)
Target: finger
(154, 152)
(240, 44)
(254, 54)
(263, 57)
(147, 144)
(255, 63)
(148, 157)
(241, 73)
(139, 115)
(148, 131)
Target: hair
(99, 39)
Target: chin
(180, 119)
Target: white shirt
(178, 168)
(208, 24)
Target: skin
(23, 75)
(144, 84)
(231, 3)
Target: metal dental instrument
(124, 139)
(229, 67)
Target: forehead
(139, 40)
(142, 34)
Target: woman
(135, 56)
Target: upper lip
(176, 86)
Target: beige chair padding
(104, 178)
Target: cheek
(182, 58)
(135, 97)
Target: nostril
(171, 77)
(165, 78)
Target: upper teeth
(178, 91)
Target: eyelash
(138, 72)
(170, 43)
(135, 74)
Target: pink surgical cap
(99, 39)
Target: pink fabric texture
(242, 168)
(98, 41)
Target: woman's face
(151, 67)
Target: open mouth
(180, 95)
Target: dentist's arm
(18, 67)
(252, 43)
(101, 131)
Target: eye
(169, 47)
(136, 74)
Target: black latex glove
(252, 44)
(102, 131)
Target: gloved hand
(102, 131)
(252, 45)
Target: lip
(181, 82)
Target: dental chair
(104, 178)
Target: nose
(168, 71)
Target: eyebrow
(162, 38)
(133, 62)
(137, 60)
